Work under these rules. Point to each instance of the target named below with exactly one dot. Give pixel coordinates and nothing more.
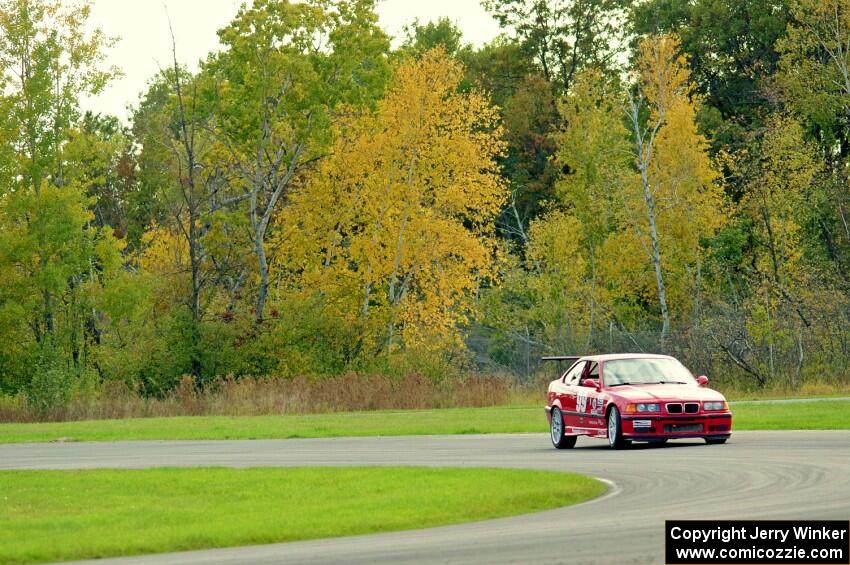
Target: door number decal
(593, 405)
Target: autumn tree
(677, 188)
(594, 159)
(178, 167)
(273, 91)
(396, 228)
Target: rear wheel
(715, 441)
(556, 431)
(615, 430)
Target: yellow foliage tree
(640, 185)
(165, 255)
(562, 300)
(674, 200)
(594, 153)
(396, 228)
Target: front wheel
(715, 441)
(615, 430)
(556, 431)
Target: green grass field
(821, 415)
(415, 422)
(63, 515)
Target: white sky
(145, 43)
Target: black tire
(615, 430)
(715, 441)
(556, 431)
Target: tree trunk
(697, 311)
(394, 291)
(190, 198)
(592, 320)
(644, 147)
(656, 259)
(49, 326)
(260, 222)
(263, 271)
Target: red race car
(633, 397)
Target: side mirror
(590, 383)
(702, 380)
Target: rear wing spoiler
(561, 359)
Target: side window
(574, 374)
(593, 373)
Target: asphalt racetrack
(779, 474)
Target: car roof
(615, 356)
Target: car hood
(666, 392)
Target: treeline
(605, 175)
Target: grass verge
(63, 515)
(821, 415)
(378, 423)
(818, 415)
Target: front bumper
(655, 427)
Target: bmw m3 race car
(633, 397)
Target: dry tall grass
(269, 396)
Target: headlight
(715, 406)
(642, 407)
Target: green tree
(527, 102)
(816, 67)
(443, 33)
(499, 68)
(530, 117)
(99, 155)
(191, 195)
(48, 61)
(563, 36)
(779, 273)
(52, 258)
(730, 48)
(815, 76)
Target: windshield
(646, 371)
